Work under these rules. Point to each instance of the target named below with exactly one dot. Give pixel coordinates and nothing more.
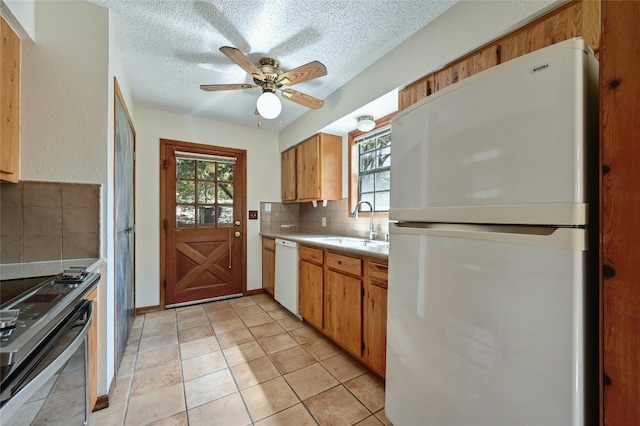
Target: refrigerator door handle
(561, 238)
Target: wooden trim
(146, 309)
(254, 292)
(118, 97)
(620, 209)
(102, 402)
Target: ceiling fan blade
(239, 58)
(216, 87)
(305, 72)
(302, 99)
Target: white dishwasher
(286, 292)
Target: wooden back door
(203, 203)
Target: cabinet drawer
(312, 255)
(378, 274)
(350, 265)
(269, 243)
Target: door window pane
(225, 172)
(225, 216)
(206, 216)
(185, 216)
(225, 193)
(206, 170)
(185, 191)
(185, 168)
(206, 192)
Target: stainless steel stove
(38, 331)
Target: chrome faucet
(355, 216)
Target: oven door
(51, 387)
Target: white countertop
(316, 240)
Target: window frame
(354, 167)
(218, 161)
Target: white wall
(263, 184)
(461, 29)
(64, 95)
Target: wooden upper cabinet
(289, 174)
(319, 168)
(578, 18)
(9, 103)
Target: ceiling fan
(270, 78)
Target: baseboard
(147, 309)
(254, 292)
(101, 403)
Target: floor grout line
(199, 310)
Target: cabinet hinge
(166, 224)
(166, 164)
(362, 292)
(363, 346)
(134, 156)
(165, 284)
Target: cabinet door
(268, 270)
(288, 168)
(376, 328)
(10, 105)
(308, 169)
(310, 280)
(343, 310)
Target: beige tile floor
(243, 361)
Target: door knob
(237, 223)
(237, 234)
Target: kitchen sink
(354, 242)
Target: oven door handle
(23, 395)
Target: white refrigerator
(492, 299)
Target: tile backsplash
(304, 218)
(42, 221)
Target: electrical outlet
(324, 221)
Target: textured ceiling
(171, 47)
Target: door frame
(241, 156)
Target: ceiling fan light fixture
(365, 123)
(269, 106)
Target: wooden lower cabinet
(311, 292)
(375, 320)
(343, 311)
(268, 265)
(345, 297)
